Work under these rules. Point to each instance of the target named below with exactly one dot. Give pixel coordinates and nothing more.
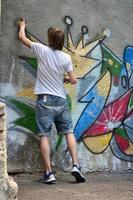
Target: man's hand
(66, 80)
(22, 23)
(72, 78)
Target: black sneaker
(48, 178)
(76, 172)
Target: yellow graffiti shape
(81, 63)
(129, 151)
(128, 66)
(27, 92)
(97, 144)
(104, 85)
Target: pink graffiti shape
(123, 143)
(111, 116)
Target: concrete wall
(0, 10)
(8, 188)
(101, 103)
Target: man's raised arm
(22, 36)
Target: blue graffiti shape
(128, 60)
(96, 103)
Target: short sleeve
(69, 66)
(37, 49)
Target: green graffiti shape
(28, 119)
(31, 61)
(115, 68)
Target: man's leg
(48, 176)
(45, 151)
(44, 120)
(76, 171)
(72, 146)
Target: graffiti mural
(102, 101)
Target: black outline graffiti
(124, 81)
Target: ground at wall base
(98, 186)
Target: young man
(51, 105)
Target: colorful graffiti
(102, 102)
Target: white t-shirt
(52, 64)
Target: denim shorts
(52, 109)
